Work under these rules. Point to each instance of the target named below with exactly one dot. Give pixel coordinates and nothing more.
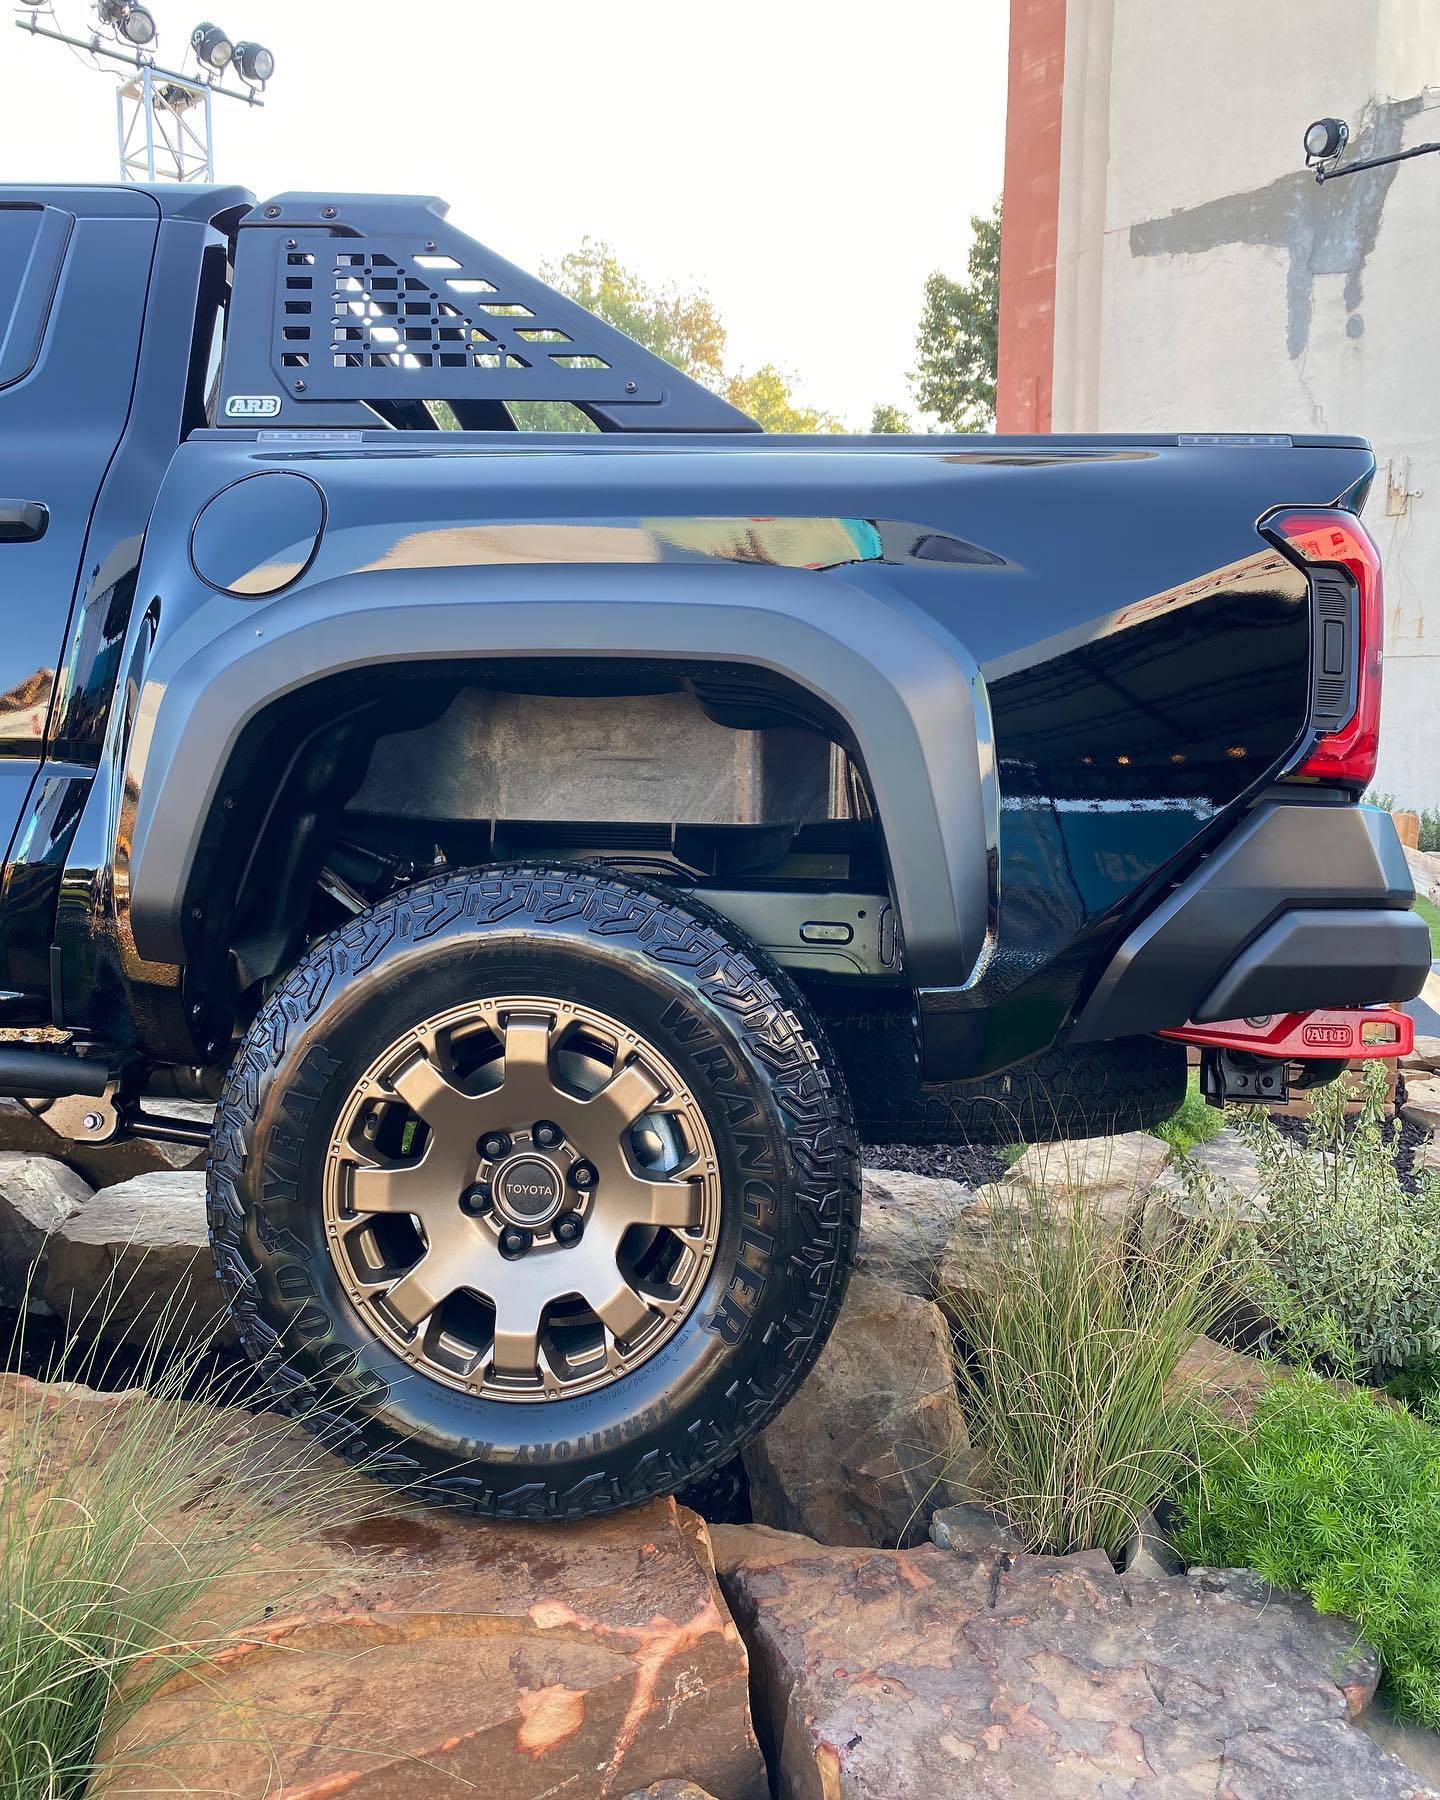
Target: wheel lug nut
(584, 1175)
(568, 1228)
(475, 1200)
(514, 1241)
(493, 1146)
(546, 1134)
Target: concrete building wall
(1204, 282)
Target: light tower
(163, 116)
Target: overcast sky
(807, 161)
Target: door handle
(22, 521)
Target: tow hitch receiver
(1260, 1059)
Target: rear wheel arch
(910, 701)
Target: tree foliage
(954, 377)
(681, 325)
(765, 394)
(887, 419)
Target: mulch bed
(974, 1164)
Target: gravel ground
(973, 1164)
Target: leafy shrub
(1069, 1341)
(1417, 1386)
(1343, 1258)
(1337, 1494)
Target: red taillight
(1348, 752)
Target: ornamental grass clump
(1338, 1494)
(1341, 1256)
(1071, 1327)
(122, 1517)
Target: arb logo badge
(1335, 1037)
(252, 406)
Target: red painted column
(1032, 215)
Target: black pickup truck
(550, 815)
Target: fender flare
(905, 689)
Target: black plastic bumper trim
(1284, 859)
(1323, 958)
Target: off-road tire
(777, 1110)
(1085, 1090)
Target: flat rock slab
(670, 1790)
(133, 1264)
(919, 1673)
(1225, 1166)
(1117, 1171)
(870, 1445)
(1106, 1178)
(425, 1652)
(1425, 872)
(1229, 1380)
(905, 1223)
(1422, 1104)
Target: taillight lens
(1347, 753)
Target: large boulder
(133, 1264)
(905, 1223)
(102, 1165)
(927, 1672)
(1111, 1175)
(874, 1440)
(419, 1651)
(37, 1196)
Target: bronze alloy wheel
(522, 1198)
(534, 1190)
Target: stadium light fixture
(254, 62)
(131, 23)
(213, 49)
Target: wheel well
(724, 774)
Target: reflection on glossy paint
(24, 707)
(1259, 575)
(819, 542)
(792, 543)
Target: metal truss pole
(162, 136)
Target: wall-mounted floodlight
(132, 24)
(255, 63)
(1326, 141)
(213, 49)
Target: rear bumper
(1302, 907)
